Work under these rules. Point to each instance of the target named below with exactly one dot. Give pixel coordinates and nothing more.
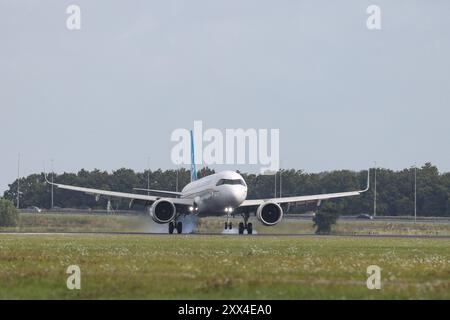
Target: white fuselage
(218, 193)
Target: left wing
(174, 193)
(310, 198)
(123, 195)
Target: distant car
(365, 216)
(33, 209)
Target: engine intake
(269, 213)
(163, 211)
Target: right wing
(123, 195)
(309, 198)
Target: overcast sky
(109, 95)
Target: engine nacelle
(269, 213)
(163, 211)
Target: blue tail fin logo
(193, 166)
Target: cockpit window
(230, 181)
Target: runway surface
(228, 234)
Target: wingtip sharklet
(46, 179)
(368, 182)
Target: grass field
(31, 222)
(343, 227)
(216, 267)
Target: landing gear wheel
(179, 227)
(244, 225)
(249, 228)
(171, 227)
(241, 228)
(226, 225)
(230, 225)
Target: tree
(9, 215)
(395, 189)
(326, 218)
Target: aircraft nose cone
(237, 195)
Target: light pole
(281, 171)
(415, 193)
(275, 184)
(176, 185)
(18, 181)
(375, 192)
(148, 175)
(51, 161)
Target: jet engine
(269, 213)
(163, 211)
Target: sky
(109, 95)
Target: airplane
(223, 193)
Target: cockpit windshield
(231, 181)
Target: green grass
(222, 267)
(31, 222)
(343, 227)
(69, 222)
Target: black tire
(249, 228)
(171, 227)
(180, 227)
(241, 228)
(230, 226)
(226, 226)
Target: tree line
(395, 189)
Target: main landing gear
(173, 225)
(245, 225)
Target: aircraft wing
(114, 194)
(160, 191)
(309, 198)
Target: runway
(227, 235)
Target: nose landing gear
(228, 224)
